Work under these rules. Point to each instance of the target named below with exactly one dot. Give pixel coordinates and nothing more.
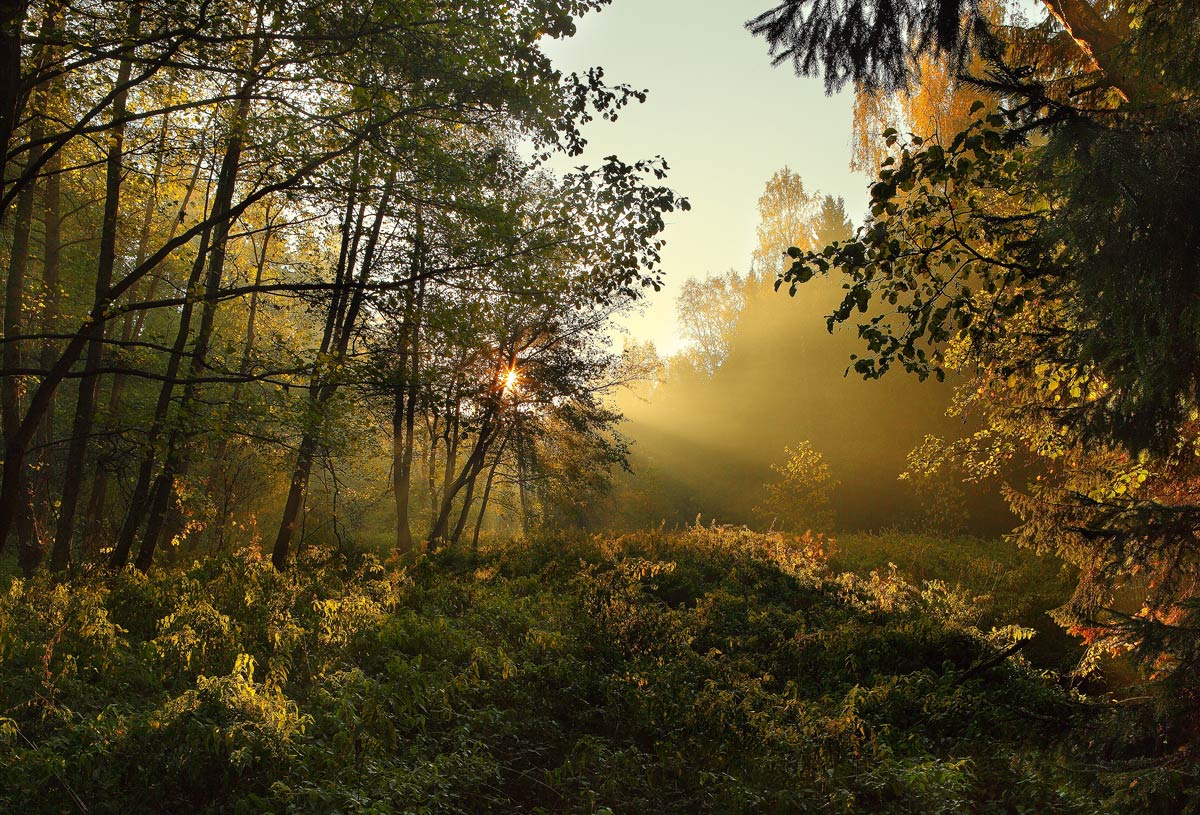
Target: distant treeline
(762, 371)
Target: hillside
(713, 670)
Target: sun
(511, 378)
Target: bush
(799, 498)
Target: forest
(335, 479)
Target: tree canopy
(250, 217)
(1048, 252)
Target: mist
(761, 372)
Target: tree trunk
(522, 491)
(405, 414)
(51, 294)
(298, 487)
(468, 500)
(295, 498)
(470, 470)
(12, 19)
(216, 480)
(160, 497)
(14, 302)
(431, 428)
(440, 521)
(402, 428)
(487, 494)
(29, 553)
(136, 323)
(99, 495)
(1102, 42)
(138, 506)
(345, 316)
(81, 427)
(175, 463)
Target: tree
(250, 170)
(880, 45)
(1048, 251)
(798, 500)
(710, 430)
(785, 212)
(508, 334)
(1101, 193)
(708, 311)
(936, 102)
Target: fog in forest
(599, 407)
(761, 372)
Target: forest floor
(711, 670)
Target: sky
(723, 118)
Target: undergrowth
(713, 670)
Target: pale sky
(724, 119)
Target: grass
(713, 670)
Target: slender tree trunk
(93, 515)
(14, 302)
(441, 526)
(295, 498)
(405, 414)
(252, 312)
(440, 520)
(217, 482)
(12, 19)
(51, 295)
(470, 470)
(81, 427)
(298, 486)
(469, 495)
(99, 494)
(17, 448)
(451, 438)
(136, 323)
(29, 553)
(401, 468)
(431, 428)
(160, 497)
(487, 494)
(138, 507)
(337, 341)
(174, 465)
(522, 491)
(468, 500)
